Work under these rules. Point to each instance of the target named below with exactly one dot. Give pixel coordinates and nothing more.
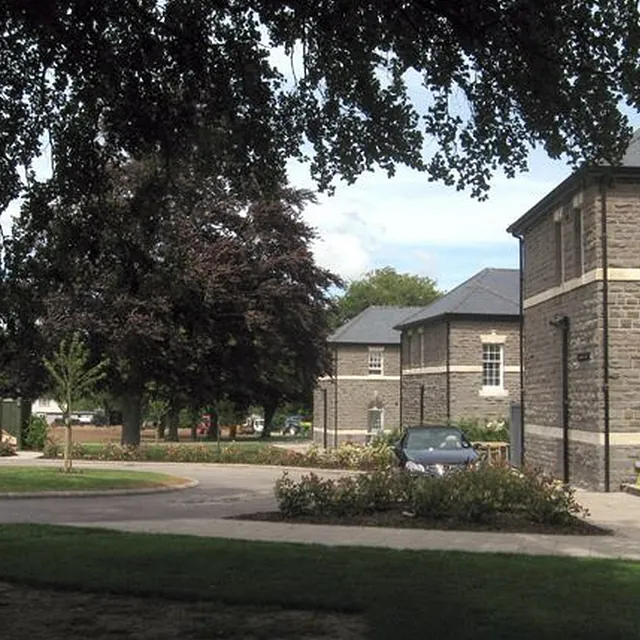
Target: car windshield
(434, 438)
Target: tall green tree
(72, 378)
(383, 287)
(181, 284)
(373, 84)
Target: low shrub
(7, 449)
(477, 494)
(55, 449)
(388, 438)
(430, 498)
(345, 496)
(37, 431)
(52, 449)
(351, 455)
(485, 431)
(348, 456)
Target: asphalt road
(224, 490)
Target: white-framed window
(493, 366)
(376, 422)
(376, 361)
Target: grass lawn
(402, 594)
(15, 479)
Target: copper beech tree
(458, 90)
(181, 285)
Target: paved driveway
(224, 490)
(227, 490)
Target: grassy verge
(404, 594)
(24, 479)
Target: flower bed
(7, 449)
(485, 497)
(347, 456)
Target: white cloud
(408, 211)
(342, 253)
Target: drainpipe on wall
(563, 323)
(448, 365)
(335, 399)
(325, 418)
(605, 332)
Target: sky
(423, 228)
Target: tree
(383, 287)
(105, 82)
(72, 378)
(175, 280)
(290, 310)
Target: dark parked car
(434, 450)
(292, 425)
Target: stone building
(580, 261)
(362, 397)
(461, 354)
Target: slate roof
(374, 325)
(491, 292)
(629, 164)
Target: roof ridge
(497, 293)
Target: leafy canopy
(456, 89)
(384, 287)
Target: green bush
(485, 431)
(52, 449)
(388, 438)
(294, 498)
(477, 494)
(7, 449)
(345, 496)
(37, 431)
(430, 497)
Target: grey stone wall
(539, 249)
(583, 305)
(434, 350)
(543, 360)
(466, 345)
(465, 350)
(319, 414)
(467, 403)
(353, 360)
(624, 356)
(623, 231)
(435, 399)
(355, 397)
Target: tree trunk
(194, 419)
(174, 422)
(161, 427)
(23, 421)
(131, 419)
(212, 431)
(269, 412)
(68, 444)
